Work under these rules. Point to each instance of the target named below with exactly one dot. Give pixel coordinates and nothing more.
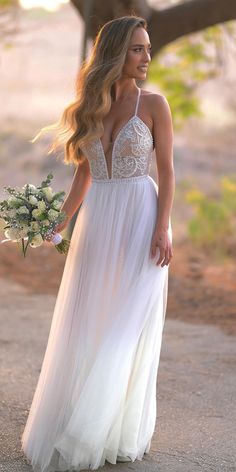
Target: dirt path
(196, 411)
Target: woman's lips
(143, 68)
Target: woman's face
(138, 55)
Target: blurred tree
(181, 66)
(164, 25)
(87, 8)
(213, 224)
(8, 19)
(7, 3)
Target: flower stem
(23, 246)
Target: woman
(96, 395)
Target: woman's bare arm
(79, 187)
(163, 136)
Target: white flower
(56, 204)
(48, 193)
(24, 232)
(22, 209)
(13, 233)
(46, 222)
(14, 202)
(31, 188)
(41, 206)
(33, 200)
(36, 213)
(36, 241)
(52, 214)
(12, 213)
(34, 226)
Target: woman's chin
(141, 75)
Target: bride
(95, 399)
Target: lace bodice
(131, 152)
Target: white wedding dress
(96, 394)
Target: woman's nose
(146, 56)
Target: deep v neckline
(118, 134)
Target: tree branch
(166, 25)
(191, 16)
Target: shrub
(213, 227)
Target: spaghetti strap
(136, 108)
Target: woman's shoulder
(153, 96)
(157, 103)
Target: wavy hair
(81, 120)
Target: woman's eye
(140, 49)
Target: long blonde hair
(81, 121)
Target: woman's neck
(123, 89)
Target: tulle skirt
(96, 394)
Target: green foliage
(214, 223)
(229, 194)
(7, 3)
(178, 92)
(182, 65)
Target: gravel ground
(196, 411)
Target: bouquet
(31, 214)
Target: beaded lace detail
(131, 152)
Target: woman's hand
(162, 240)
(58, 228)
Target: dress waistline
(118, 180)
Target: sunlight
(50, 5)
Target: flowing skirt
(96, 394)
